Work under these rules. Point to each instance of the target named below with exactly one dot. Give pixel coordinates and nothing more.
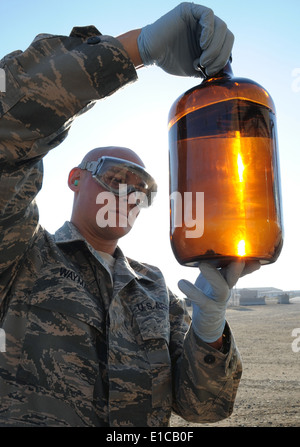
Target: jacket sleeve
(47, 86)
(205, 381)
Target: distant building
(250, 297)
(259, 295)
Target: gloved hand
(210, 296)
(187, 36)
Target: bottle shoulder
(218, 90)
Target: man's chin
(120, 229)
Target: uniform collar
(68, 234)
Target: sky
(266, 50)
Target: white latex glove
(210, 296)
(185, 37)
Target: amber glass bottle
(225, 199)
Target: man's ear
(74, 179)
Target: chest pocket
(63, 290)
(152, 320)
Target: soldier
(94, 338)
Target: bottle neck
(226, 72)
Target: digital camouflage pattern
(85, 347)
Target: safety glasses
(122, 177)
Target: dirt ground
(269, 392)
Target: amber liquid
(227, 152)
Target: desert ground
(269, 392)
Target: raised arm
(47, 86)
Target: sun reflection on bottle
(241, 167)
(240, 194)
(241, 248)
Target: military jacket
(85, 346)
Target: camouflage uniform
(85, 347)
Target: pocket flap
(152, 318)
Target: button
(210, 359)
(93, 40)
